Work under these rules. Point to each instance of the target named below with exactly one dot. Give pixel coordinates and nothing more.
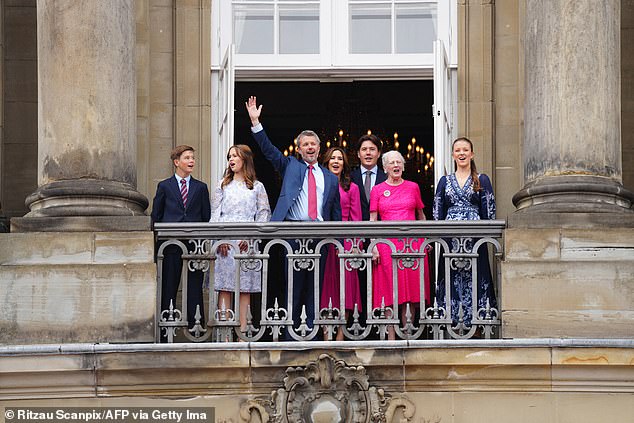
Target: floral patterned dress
(453, 202)
(237, 203)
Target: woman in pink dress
(396, 199)
(337, 162)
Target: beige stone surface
(269, 365)
(593, 357)
(437, 407)
(480, 356)
(27, 376)
(135, 247)
(224, 372)
(87, 95)
(77, 303)
(503, 407)
(161, 115)
(578, 286)
(560, 42)
(477, 369)
(56, 248)
(537, 244)
(609, 245)
(193, 79)
(522, 386)
(77, 287)
(568, 283)
(161, 35)
(589, 408)
(494, 378)
(567, 324)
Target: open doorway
(398, 112)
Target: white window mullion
(393, 26)
(276, 28)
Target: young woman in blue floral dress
(465, 195)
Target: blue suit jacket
(293, 172)
(168, 204)
(357, 178)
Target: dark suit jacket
(168, 204)
(293, 172)
(358, 179)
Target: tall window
(388, 27)
(276, 26)
(332, 33)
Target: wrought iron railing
(452, 246)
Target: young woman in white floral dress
(465, 195)
(239, 197)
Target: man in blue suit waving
(309, 192)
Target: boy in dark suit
(181, 198)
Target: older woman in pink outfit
(336, 161)
(396, 199)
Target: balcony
(277, 249)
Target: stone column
(86, 111)
(572, 138)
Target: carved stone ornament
(327, 391)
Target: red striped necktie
(184, 192)
(312, 194)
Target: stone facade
(77, 286)
(172, 44)
(553, 382)
(91, 278)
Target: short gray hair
(307, 133)
(388, 155)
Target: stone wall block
(567, 324)
(53, 247)
(576, 286)
(136, 247)
(594, 357)
(23, 77)
(161, 35)
(538, 244)
(34, 376)
(161, 117)
(188, 58)
(611, 245)
(20, 38)
(161, 79)
(49, 303)
(21, 129)
(229, 371)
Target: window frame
(333, 55)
